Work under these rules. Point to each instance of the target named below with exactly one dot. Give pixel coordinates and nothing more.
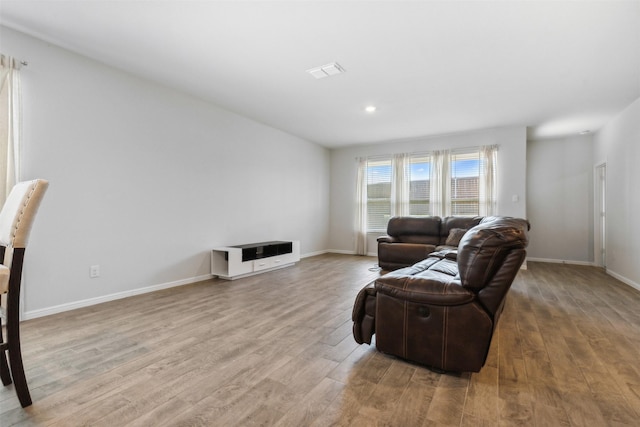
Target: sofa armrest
(426, 287)
(397, 255)
(387, 239)
(363, 314)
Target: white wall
(512, 166)
(144, 180)
(618, 144)
(560, 199)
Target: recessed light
(370, 108)
(584, 132)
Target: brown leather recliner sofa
(411, 239)
(442, 311)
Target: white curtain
(10, 124)
(488, 180)
(440, 183)
(400, 185)
(361, 207)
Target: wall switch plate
(94, 271)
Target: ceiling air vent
(326, 70)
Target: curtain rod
(16, 60)
(428, 152)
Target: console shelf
(233, 262)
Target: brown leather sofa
(411, 239)
(441, 312)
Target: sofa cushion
(414, 229)
(402, 254)
(433, 280)
(450, 222)
(455, 234)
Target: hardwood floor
(276, 349)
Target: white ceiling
(430, 67)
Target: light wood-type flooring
(276, 349)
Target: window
(443, 183)
(378, 194)
(419, 171)
(465, 183)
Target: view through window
(419, 171)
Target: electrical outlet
(94, 271)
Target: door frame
(600, 215)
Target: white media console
(233, 262)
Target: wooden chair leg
(5, 375)
(13, 330)
(15, 364)
(17, 370)
(16, 374)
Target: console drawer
(262, 264)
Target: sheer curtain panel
(10, 124)
(440, 183)
(361, 207)
(400, 185)
(488, 182)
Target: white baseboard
(341, 251)
(623, 279)
(561, 261)
(335, 251)
(310, 254)
(345, 252)
(32, 314)
(620, 277)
